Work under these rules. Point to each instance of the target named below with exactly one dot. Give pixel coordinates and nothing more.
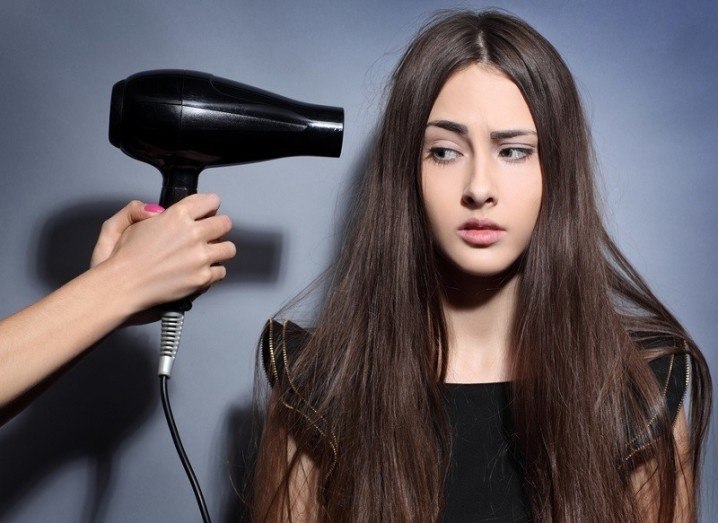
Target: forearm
(141, 260)
(645, 480)
(40, 339)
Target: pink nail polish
(153, 207)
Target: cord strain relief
(172, 322)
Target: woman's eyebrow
(450, 126)
(511, 133)
(462, 130)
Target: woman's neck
(479, 313)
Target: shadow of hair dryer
(183, 121)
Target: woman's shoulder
(280, 344)
(282, 341)
(672, 371)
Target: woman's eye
(515, 154)
(443, 155)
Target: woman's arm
(277, 501)
(284, 487)
(135, 266)
(302, 486)
(645, 480)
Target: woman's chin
(486, 270)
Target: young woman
(484, 350)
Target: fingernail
(153, 207)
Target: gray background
(95, 447)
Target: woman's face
(481, 177)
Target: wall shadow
(111, 391)
(86, 414)
(258, 258)
(67, 240)
(243, 428)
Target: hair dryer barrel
(188, 120)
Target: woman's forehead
(481, 96)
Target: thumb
(140, 212)
(136, 212)
(153, 208)
(112, 229)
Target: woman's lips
(480, 232)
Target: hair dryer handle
(178, 183)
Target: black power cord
(180, 450)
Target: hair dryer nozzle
(118, 93)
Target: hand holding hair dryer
(183, 121)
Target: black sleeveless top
(486, 474)
(485, 481)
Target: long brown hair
(364, 399)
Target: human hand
(164, 257)
(113, 227)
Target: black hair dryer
(183, 121)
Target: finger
(119, 221)
(153, 208)
(220, 252)
(138, 213)
(133, 212)
(214, 227)
(198, 205)
(218, 273)
(113, 228)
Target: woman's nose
(479, 190)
